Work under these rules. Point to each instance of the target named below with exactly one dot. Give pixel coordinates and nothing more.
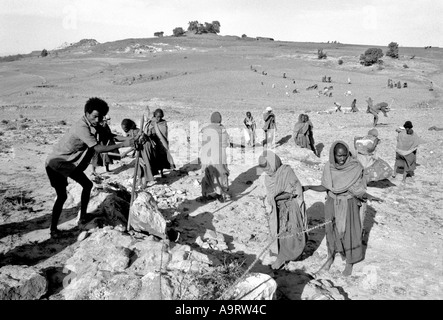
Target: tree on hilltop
(178, 32)
(193, 26)
(199, 28)
(216, 27)
(392, 50)
(371, 56)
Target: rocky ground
(189, 79)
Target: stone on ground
(21, 283)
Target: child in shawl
(375, 168)
(303, 133)
(144, 145)
(215, 140)
(250, 126)
(346, 190)
(406, 151)
(105, 137)
(157, 130)
(288, 213)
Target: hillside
(191, 77)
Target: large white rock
(106, 250)
(145, 216)
(301, 286)
(185, 259)
(151, 256)
(21, 283)
(215, 239)
(257, 286)
(321, 290)
(156, 287)
(103, 285)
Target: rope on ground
(279, 236)
(161, 271)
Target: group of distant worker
(326, 79)
(345, 175)
(392, 84)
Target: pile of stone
(168, 197)
(110, 264)
(212, 240)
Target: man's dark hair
(98, 105)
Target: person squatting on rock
(303, 133)
(375, 168)
(71, 156)
(288, 210)
(406, 150)
(269, 127)
(344, 183)
(214, 160)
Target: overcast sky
(27, 25)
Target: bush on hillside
(321, 54)
(371, 56)
(178, 32)
(392, 50)
(44, 53)
(11, 58)
(244, 35)
(340, 62)
(158, 34)
(405, 66)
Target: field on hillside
(191, 77)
